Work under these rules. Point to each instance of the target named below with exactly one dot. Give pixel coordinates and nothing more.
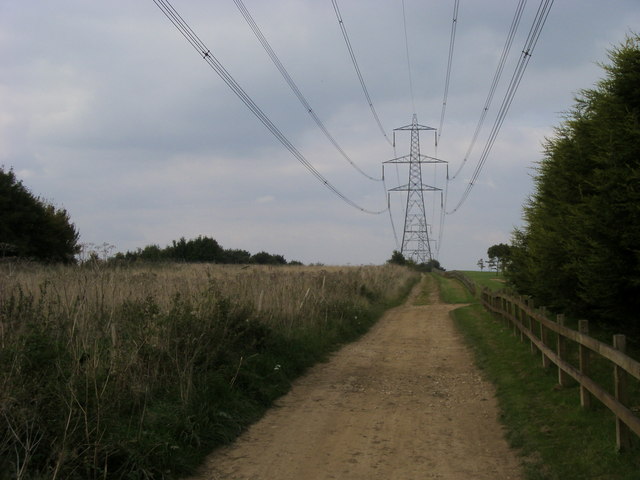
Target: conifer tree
(32, 228)
(580, 248)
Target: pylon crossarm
(415, 126)
(423, 188)
(420, 159)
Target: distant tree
(397, 258)
(432, 265)
(264, 258)
(151, 253)
(237, 256)
(200, 249)
(500, 254)
(481, 264)
(31, 227)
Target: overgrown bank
(139, 372)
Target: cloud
(266, 199)
(108, 111)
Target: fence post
(505, 311)
(544, 338)
(521, 317)
(585, 396)
(531, 305)
(563, 377)
(623, 435)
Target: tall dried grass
(136, 372)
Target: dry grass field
(137, 371)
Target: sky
(108, 112)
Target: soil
(404, 402)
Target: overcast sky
(107, 111)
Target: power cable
(452, 40)
(183, 27)
(530, 44)
(406, 47)
(357, 68)
(393, 225)
(443, 205)
(496, 79)
(285, 74)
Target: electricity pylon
(415, 237)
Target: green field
(490, 280)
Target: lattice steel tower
(415, 238)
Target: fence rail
(527, 321)
(461, 277)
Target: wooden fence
(461, 277)
(527, 321)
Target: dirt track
(404, 402)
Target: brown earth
(403, 402)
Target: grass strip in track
(452, 291)
(427, 285)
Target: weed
(112, 372)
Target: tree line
(579, 249)
(32, 228)
(201, 249)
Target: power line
(406, 47)
(496, 79)
(183, 27)
(393, 225)
(452, 40)
(443, 203)
(285, 74)
(530, 44)
(357, 68)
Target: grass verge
(556, 437)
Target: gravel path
(403, 402)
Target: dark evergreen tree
(31, 227)
(397, 258)
(237, 256)
(264, 258)
(201, 249)
(580, 248)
